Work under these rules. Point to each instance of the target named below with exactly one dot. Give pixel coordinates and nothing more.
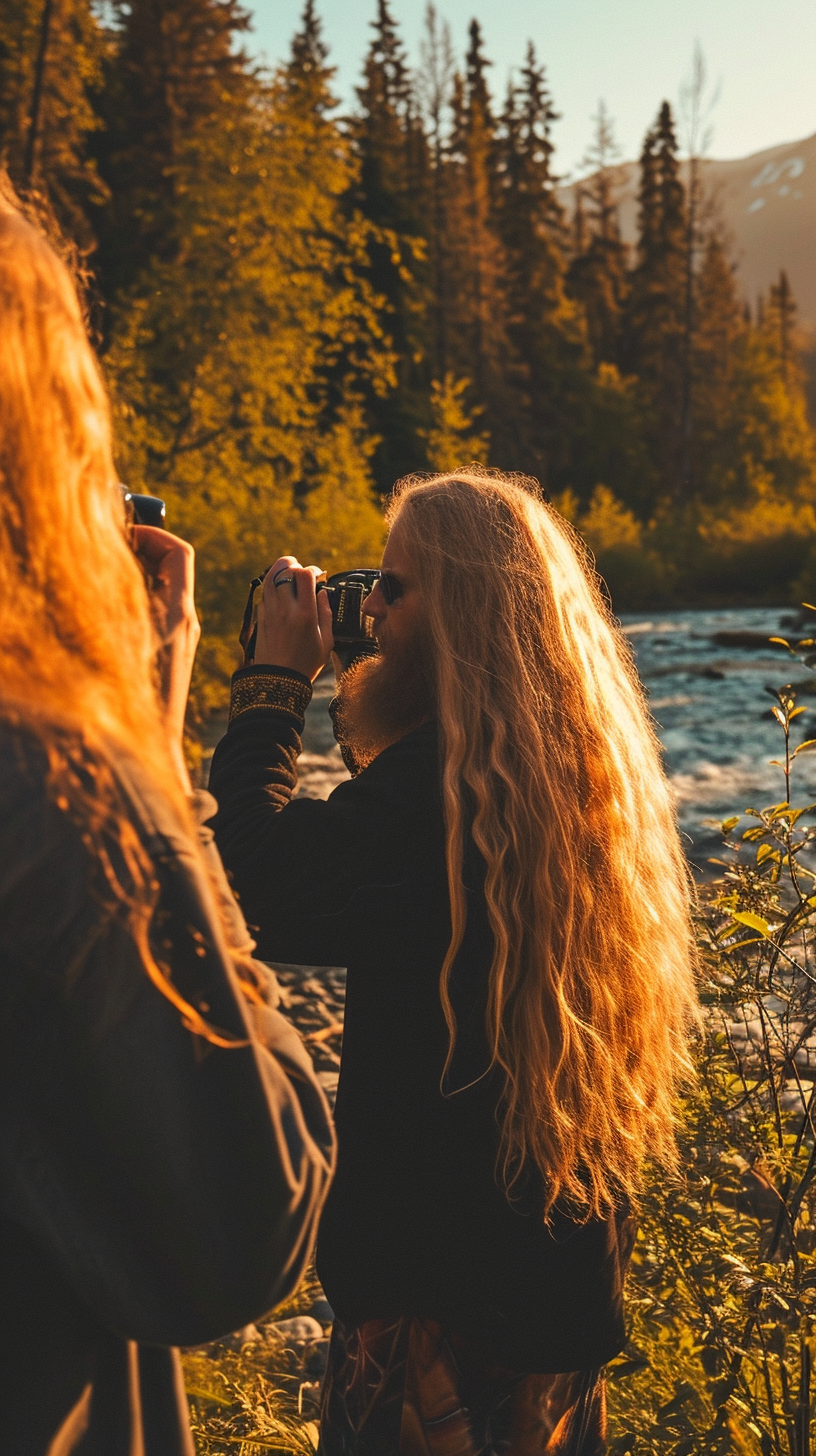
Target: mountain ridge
(767, 205)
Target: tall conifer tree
(545, 344)
(480, 347)
(383, 127)
(656, 309)
(672, 222)
(307, 76)
(719, 340)
(51, 54)
(598, 270)
(780, 326)
(484, 259)
(392, 192)
(532, 222)
(175, 88)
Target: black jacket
(156, 1190)
(415, 1221)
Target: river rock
(321, 1310)
(745, 638)
(249, 1335)
(296, 1331)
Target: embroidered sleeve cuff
(259, 688)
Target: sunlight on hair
(77, 644)
(549, 753)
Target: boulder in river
(296, 1331)
(744, 638)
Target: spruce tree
(383, 126)
(175, 88)
(676, 249)
(638, 311)
(549, 355)
(672, 217)
(655, 314)
(780, 325)
(308, 77)
(51, 54)
(479, 342)
(598, 269)
(392, 193)
(484, 259)
(719, 339)
(532, 222)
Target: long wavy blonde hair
(78, 649)
(551, 761)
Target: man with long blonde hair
(164, 1145)
(504, 881)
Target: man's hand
(294, 621)
(170, 567)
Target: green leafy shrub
(722, 1295)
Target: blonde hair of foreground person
(77, 643)
(547, 744)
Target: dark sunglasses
(391, 587)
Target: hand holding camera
(351, 629)
(169, 564)
(294, 620)
(169, 567)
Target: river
(712, 716)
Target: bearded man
(502, 879)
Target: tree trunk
(30, 159)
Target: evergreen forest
(297, 303)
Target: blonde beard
(382, 699)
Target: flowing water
(713, 717)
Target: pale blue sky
(633, 53)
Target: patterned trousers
(407, 1387)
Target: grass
(260, 1396)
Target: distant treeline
(296, 307)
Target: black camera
(143, 510)
(346, 591)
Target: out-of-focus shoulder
(23, 766)
(33, 801)
(40, 844)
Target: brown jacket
(156, 1190)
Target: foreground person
(164, 1145)
(503, 880)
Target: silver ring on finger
(280, 580)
